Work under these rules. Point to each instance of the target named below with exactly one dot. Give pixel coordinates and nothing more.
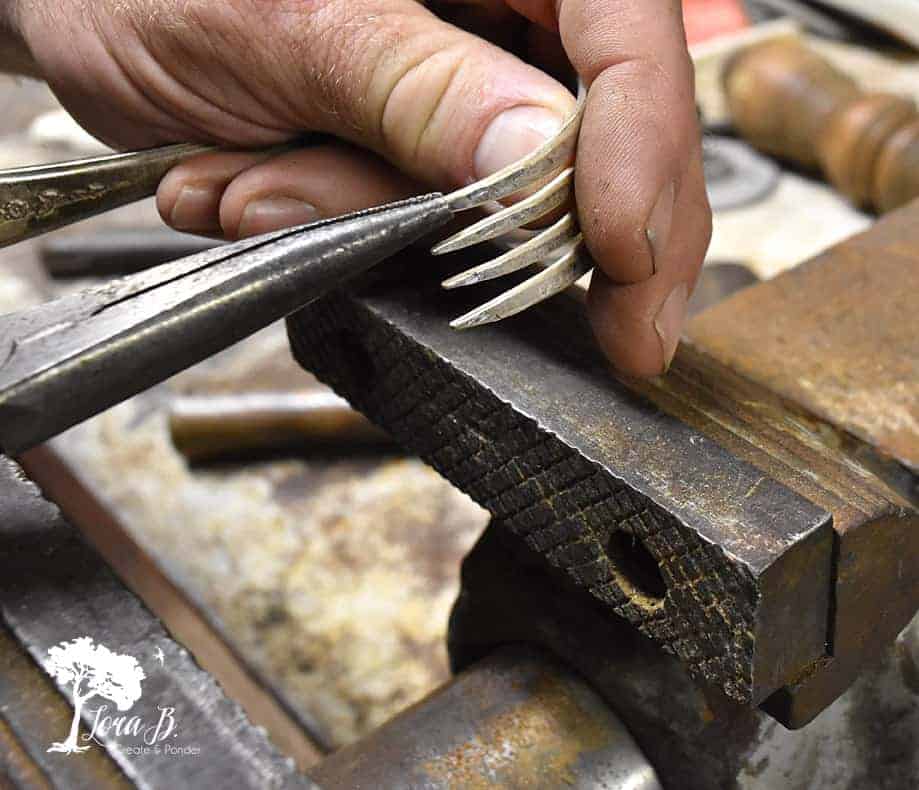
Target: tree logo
(94, 671)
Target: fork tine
(541, 202)
(571, 266)
(546, 159)
(536, 249)
(562, 240)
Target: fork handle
(35, 200)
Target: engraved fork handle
(35, 200)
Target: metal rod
(515, 719)
(212, 426)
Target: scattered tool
(791, 103)
(209, 427)
(117, 251)
(67, 360)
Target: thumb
(441, 104)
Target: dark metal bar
(35, 715)
(515, 719)
(694, 506)
(694, 736)
(182, 613)
(54, 589)
(116, 251)
(65, 361)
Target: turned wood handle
(790, 102)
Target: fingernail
(275, 213)
(669, 322)
(658, 230)
(197, 209)
(512, 135)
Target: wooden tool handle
(790, 102)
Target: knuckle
(417, 96)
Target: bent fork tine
(562, 241)
(540, 203)
(540, 247)
(555, 278)
(34, 200)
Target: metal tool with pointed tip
(35, 200)
(63, 361)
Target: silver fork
(34, 200)
(561, 244)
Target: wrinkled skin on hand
(414, 100)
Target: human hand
(411, 99)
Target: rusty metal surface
(876, 587)
(16, 769)
(694, 736)
(194, 627)
(838, 335)
(515, 719)
(694, 506)
(243, 425)
(54, 588)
